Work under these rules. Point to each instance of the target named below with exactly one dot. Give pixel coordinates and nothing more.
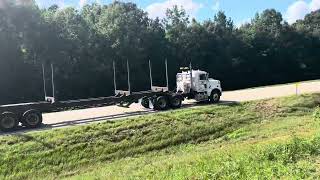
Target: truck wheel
(8, 121)
(176, 102)
(215, 97)
(161, 103)
(31, 119)
(145, 102)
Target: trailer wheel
(31, 119)
(175, 101)
(145, 102)
(160, 103)
(215, 96)
(8, 121)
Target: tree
(176, 24)
(83, 43)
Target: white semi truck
(190, 84)
(196, 84)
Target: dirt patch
(268, 108)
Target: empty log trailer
(190, 84)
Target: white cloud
(216, 5)
(315, 5)
(296, 11)
(3, 4)
(46, 3)
(82, 3)
(299, 9)
(61, 3)
(159, 9)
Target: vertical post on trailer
(190, 67)
(114, 77)
(150, 75)
(128, 70)
(52, 81)
(44, 82)
(167, 78)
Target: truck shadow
(21, 129)
(110, 118)
(99, 119)
(221, 103)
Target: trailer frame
(30, 114)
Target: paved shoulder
(272, 91)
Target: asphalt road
(85, 116)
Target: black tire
(32, 119)
(8, 121)
(215, 96)
(145, 102)
(161, 103)
(175, 101)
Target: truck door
(203, 82)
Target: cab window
(203, 77)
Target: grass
(276, 138)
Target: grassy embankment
(276, 138)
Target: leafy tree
(83, 43)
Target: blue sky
(239, 10)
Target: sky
(240, 11)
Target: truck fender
(216, 90)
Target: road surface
(84, 116)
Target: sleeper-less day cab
(197, 84)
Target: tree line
(83, 43)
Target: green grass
(269, 139)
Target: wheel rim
(162, 103)
(176, 102)
(32, 119)
(215, 97)
(145, 101)
(8, 122)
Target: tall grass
(316, 114)
(70, 151)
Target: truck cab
(196, 84)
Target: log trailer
(190, 84)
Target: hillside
(275, 138)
